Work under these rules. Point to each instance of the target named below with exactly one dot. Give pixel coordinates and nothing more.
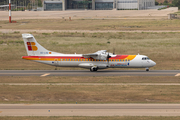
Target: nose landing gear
(147, 69)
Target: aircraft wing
(99, 55)
(90, 55)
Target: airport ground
(92, 118)
(90, 93)
(162, 47)
(89, 14)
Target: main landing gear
(92, 69)
(147, 69)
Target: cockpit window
(145, 58)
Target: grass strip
(94, 24)
(89, 94)
(86, 79)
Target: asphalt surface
(89, 109)
(92, 84)
(44, 73)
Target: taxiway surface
(89, 109)
(88, 73)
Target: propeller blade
(108, 58)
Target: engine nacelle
(90, 65)
(85, 65)
(102, 66)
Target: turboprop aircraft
(93, 61)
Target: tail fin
(33, 48)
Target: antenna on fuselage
(113, 51)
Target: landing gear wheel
(92, 69)
(147, 69)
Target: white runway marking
(45, 74)
(177, 74)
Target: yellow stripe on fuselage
(131, 57)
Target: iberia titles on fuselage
(94, 61)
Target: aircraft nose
(153, 63)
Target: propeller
(108, 56)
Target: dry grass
(92, 24)
(163, 48)
(85, 79)
(93, 118)
(90, 94)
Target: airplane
(93, 61)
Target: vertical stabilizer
(33, 48)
